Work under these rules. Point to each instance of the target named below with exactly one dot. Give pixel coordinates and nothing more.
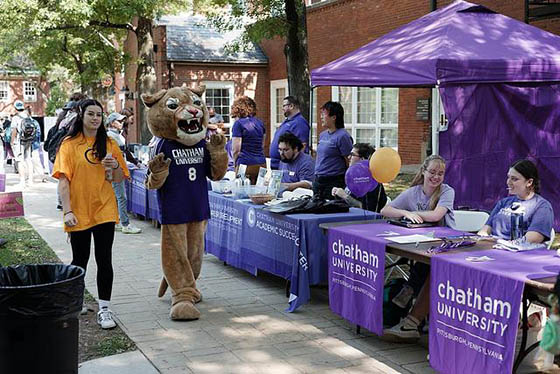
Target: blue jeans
(120, 193)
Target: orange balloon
(385, 164)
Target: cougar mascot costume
(181, 160)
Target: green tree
(266, 19)
(77, 34)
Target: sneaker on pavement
(406, 331)
(118, 227)
(131, 229)
(105, 319)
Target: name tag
(292, 173)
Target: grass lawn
(25, 246)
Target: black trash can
(39, 308)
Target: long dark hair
(100, 144)
(529, 171)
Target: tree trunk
(145, 74)
(297, 59)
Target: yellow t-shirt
(91, 196)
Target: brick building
(380, 116)
(27, 87)
(188, 52)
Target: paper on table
(416, 238)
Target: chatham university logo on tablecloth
(251, 217)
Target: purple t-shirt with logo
(414, 199)
(183, 197)
(251, 131)
(301, 169)
(298, 126)
(537, 215)
(332, 151)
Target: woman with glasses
(524, 214)
(427, 200)
(374, 200)
(335, 144)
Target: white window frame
(274, 85)
(353, 125)
(26, 97)
(314, 134)
(228, 85)
(308, 2)
(7, 98)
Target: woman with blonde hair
(427, 200)
(248, 137)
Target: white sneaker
(406, 331)
(118, 227)
(105, 319)
(84, 309)
(131, 229)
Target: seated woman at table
(427, 200)
(374, 200)
(534, 212)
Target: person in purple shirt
(229, 151)
(375, 199)
(335, 144)
(427, 200)
(298, 168)
(294, 123)
(534, 212)
(247, 137)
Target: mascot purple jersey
(183, 197)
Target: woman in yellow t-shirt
(86, 164)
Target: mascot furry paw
(181, 161)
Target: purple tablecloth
(475, 307)
(289, 246)
(356, 268)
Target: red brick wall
(248, 80)
(274, 50)
(16, 93)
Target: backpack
(28, 130)
(392, 313)
(7, 137)
(54, 138)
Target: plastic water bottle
(109, 170)
(516, 225)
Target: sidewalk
(243, 327)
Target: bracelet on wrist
(68, 212)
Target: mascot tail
(162, 287)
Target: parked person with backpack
(38, 168)
(127, 122)
(115, 124)
(23, 133)
(6, 138)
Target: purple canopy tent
(499, 80)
